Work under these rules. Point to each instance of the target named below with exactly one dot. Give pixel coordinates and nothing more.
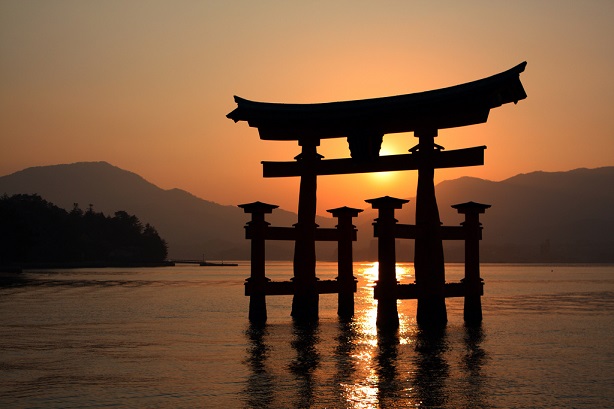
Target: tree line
(33, 230)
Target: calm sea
(178, 337)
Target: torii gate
(364, 123)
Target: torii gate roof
(459, 105)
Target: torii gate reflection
(364, 123)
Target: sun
(384, 177)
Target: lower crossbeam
(411, 292)
(287, 287)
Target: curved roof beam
(459, 105)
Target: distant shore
(17, 268)
(204, 263)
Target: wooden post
(256, 283)
(345, 259)
(385, 290)
(428, 259)
(473, 283)
(306, 299)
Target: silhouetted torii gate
(364, 123)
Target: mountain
(194, 228)
(535, 217)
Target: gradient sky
(146, 85)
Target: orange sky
(145, 85)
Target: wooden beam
(410, 231)
(288, 287)
(289, 234)
(410, 291)
(280, 233)
(442, 159)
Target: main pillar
(428, 259)
(385, 290)
(345, 266)
(473, 282)
(255, 285)
(306, 299)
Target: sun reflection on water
(370, 272)
(362, 396)
(368, 317)
(371, 353)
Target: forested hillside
(35, 231)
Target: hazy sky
(146, 85)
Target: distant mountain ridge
(535, 217)
(193, 227)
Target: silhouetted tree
(155, 247)
(34, 230)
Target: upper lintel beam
(440, 159)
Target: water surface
(178, 337)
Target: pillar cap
(258, 207)
(387, 202)
(344, 211)
(471, 207)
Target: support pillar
(386, 285)
(345, 260)
(428, 259)
(255, 285)
(306, 299)
(473, 282)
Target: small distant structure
(364, 123)
(204, 263)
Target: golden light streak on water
(367, 321)
(362, 396)
(370, 272)
(367, 393)
(407, 323)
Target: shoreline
(21, 267)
